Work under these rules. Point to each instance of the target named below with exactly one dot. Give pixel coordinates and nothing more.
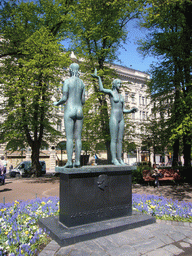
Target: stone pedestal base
(96, 193)
(94, 201)
(65, 236)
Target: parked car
(24, 169)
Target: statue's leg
(78, 143)
(69, 127)
(119, 142)
(113, 124)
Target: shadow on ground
(175, 192)
(42, 180)
(5, 189)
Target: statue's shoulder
(81, 82)
(66, 82)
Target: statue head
(116, 83)
(73, 69)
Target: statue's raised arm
(101, 89)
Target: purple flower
(20, 219)
(160, 206)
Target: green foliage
(137, 174)
(169, 39)
(129, 146)
(100, 27)
(28, 84)
(32, 64)
(99, 30)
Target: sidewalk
(159, 239)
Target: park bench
(167, 174)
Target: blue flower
(23, 235)
(161, 207)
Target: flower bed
(21, 235)
(19, 231)
(163, 208)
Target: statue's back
(75, 90)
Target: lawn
(21, 235)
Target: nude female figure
(116, 123)
(74, 97)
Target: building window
(133, 98)
(126, 97)
(143, 100)
(143, 115)
(139, 99)
(133, 129)
(59, 125)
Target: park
(115, 206)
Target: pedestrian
(155, 173)
(4, 162)
(2, 174)
(96, 159)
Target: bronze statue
(74, 98)
(116, 122)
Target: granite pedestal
(92, 194)
(94, 201)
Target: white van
(24, 169)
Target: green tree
(100, 29)
(170, 41)
(32, 62)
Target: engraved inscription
(99, 212)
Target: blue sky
(130, 57)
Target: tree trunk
(108, 152)
(154, 155)
(175, 152)
(186, 151)
(36, 166)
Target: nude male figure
(74, 98)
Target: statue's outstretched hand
(55, 103)
(133, 110)
(95, 74)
